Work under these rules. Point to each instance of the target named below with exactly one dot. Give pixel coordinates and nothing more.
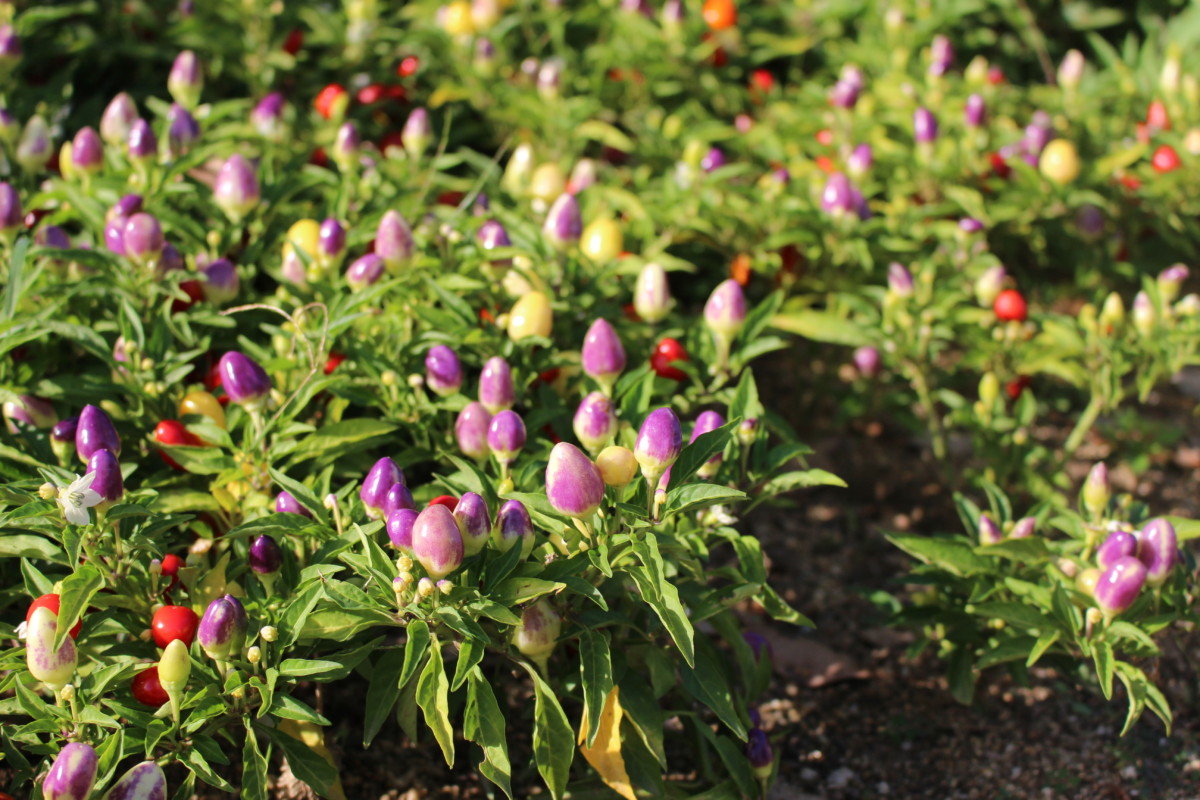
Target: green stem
(1085, 423)
(936, 433)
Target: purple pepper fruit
(603, 355)
(1119, 585)
(108, 482)
(145, 781)
(659, 442)
(236, 191)
(471, 429)
(379, 481)
(73, 773)
(474, 522)
(496, 390)
(285, 503)
(1118, 545)
(221, 282)
(437, 542)
(222, 629)
(573, 483)
(563, 225)
(443, 372)
(1158, 549)
(365, 271)
(400, 528)
(394, 240)
(506, 436)
(513, 525)
(595, 422)
(266, 557)
(246, 383)
(95, 432)
(398, 497)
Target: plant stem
(1085, 423)
(936, 433)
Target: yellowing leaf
(605, 754)
(313, 737)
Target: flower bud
(400, 528)
(989, 285)
(496, 391)
(725, 311)
(1188, 305)
(285, 503)
(87, 152)
(398, 497)
(11, 215)
(471, 430)
(267, 116)
(617, 466)
(266, 557)
(425, 588)
(244, 380)
(760, 753)
(417, 133)
(1086, 580)
(220, 281)
(652, 295)
(1144, 316)
(143, 239)
(1119, 585)
(713, 160)
(346, 146)
(538, 631)
(236, 189)
(144, 781)
(747, 432)
(73, 773)
(859, 162)
(437, 541)
(603, 356)
(182, 130)
(506, 436)
(868, 361)
(1096, 491)
(95, 432)
(563, 225)
(222, 628)
(379, 481)
(1170, 281)
(117, 120)
(941, 56)
(474, 522)
(513, 525)
(989, 531)
(52, 667)
(331, 241)
(1024, 528)
(549, 76)
(595, 421)
(531, 315)
(1112, 314)
(659, 442)
(185, 80)
(29, 411)
(1158, 549)
(707, 422)
(844, 95)
(394, 240)
(925, 126)
(174, 667)
(33, 148)
(108, 482)
(1070, 71)
(518, 170)
(142, 144)
(443, 372)
(975, 113)
(573, 483)
(1118, 545)
(365, 271)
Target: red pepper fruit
(173, 432)
(51, 601)
(449, 501)
(720, 15)
(195, 292)
(170, 569)
(408, 67)
(761, 80)
(667, 351)
(371, 94)
(739, 269)
(294, 42)
(174, 622)
(1010, 306)
(1157, 116)
(333, 362)
(1165, 159)
(147, 689)
(1016, 386)
(329, 99)
(319, 158)
(824, 137)
(1000, 167)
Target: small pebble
(840, 778)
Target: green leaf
(700, 495)
(414, 649)
(1102, 654)
(961, 673)
(432, 697)
(470, 653)
(1017, 614)
(952, 555)
(306, 668)
(483, 723)
(516, 591)
(553, 739)
(382, 692)
(341, 438)
(1130, 632)
(1044, 643)
(287, 707)
(662, 595)
(1027, 551)
(708, 683)
(745, 403)
(595, 666)
(26, 545)
(306, 764)
(1014, 648)
(800, 479)
(194, 760)
(821, 326)
(696, 454)
(779, 609)
(254, 767)
(77, 591)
